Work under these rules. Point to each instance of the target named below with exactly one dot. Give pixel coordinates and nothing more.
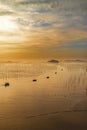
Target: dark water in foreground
(25, 101)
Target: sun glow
(10, 31)
(7, 25)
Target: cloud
(6, 10)
(51, 25)
(43, 24)
(22, 2)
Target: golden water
(24, 99)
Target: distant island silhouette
(53, 61)
(75, 60)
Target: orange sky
(39, 29)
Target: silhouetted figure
(6, 84)
(47, 77)
(34, 80)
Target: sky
(35, 29)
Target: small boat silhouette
(47, 77)
(34, 80)
(6, 84)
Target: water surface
(25, 101)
